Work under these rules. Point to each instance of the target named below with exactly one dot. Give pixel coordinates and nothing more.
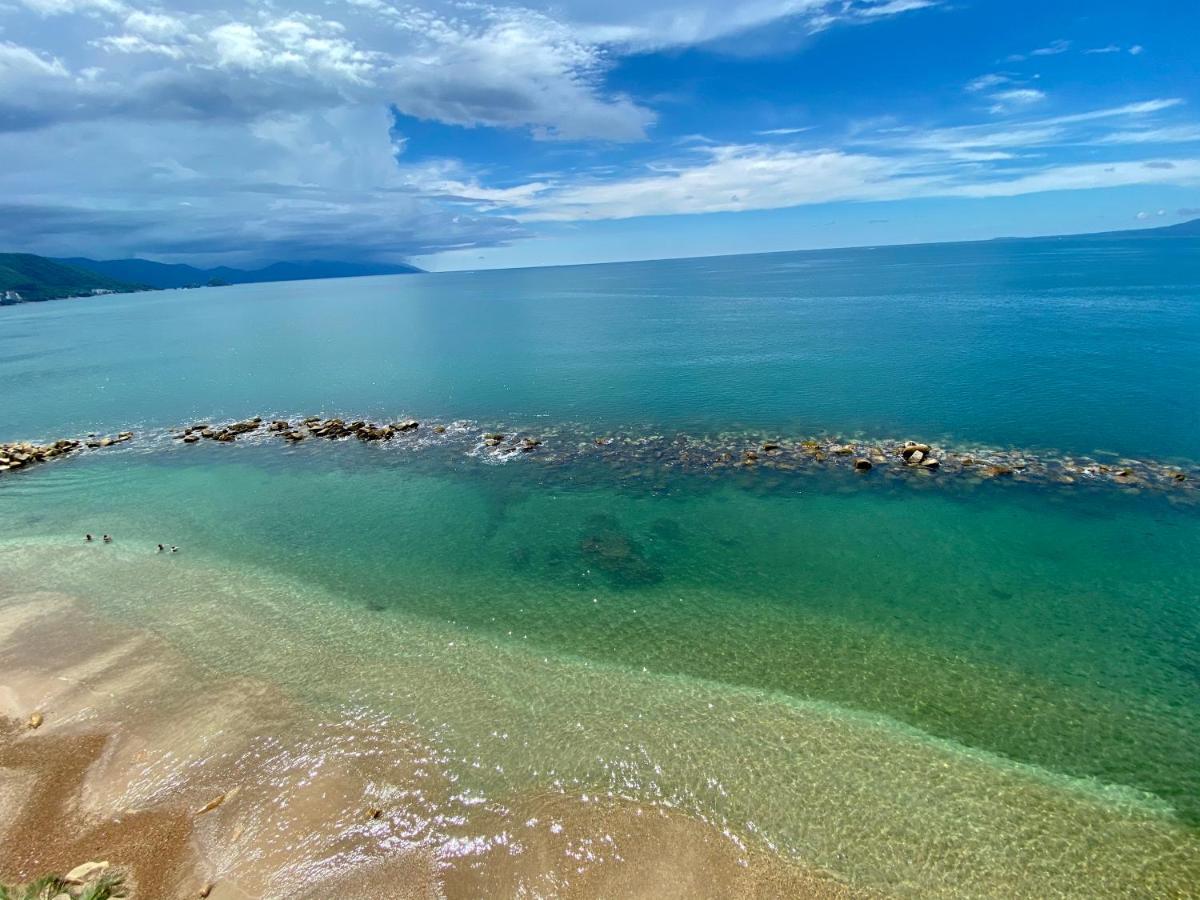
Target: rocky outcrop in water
(19, 455)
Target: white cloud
(20, 65)
(1179, 134)
(1137, 49)
(513, 68)
(894, 163)
(1111, 48)
(1053, 49)
(986, 82)
(1015, 99)
(155, 26)
(742, 177)
(668, 23)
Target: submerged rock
(608, 548)
(862, 465)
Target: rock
(207, 889)
(191, 438)
(36, 720)
(912, 447)
(85, 872)
(770, 447)
(862, 465)
(914, 457)
(294, 436)
(1179, 476)
(440, 429)
(997, 471)
(279, 425)
(843, 450)
(374, 813)
(749, 455)
(412, 425)
(226, 437)
(930, 463)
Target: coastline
(216, 708)
(305, 807)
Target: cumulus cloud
(485, 66)
(296, 185)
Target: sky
(461, 135)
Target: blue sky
(465, 135)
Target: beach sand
(136, 741)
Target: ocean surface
(932, 686)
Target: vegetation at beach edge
(108, 886)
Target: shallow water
(986, 689)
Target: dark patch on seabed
(605, 546)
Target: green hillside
(33, 278)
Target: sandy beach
(137, 747)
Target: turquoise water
(846, 668)
(1068, 345)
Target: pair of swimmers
(107, 538)
(163, 549)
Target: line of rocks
(642, 453)
(21, 454)
(896, 459)
(314, 426)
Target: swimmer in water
(108, 539)
(160, 549)
(88, 538)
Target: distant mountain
(1191, 228)
(26, 278)
(164, 275)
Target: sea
(662, 579)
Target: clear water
(992, 690)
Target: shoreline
(259, 800)
(886, 806)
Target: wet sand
(137, 741)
